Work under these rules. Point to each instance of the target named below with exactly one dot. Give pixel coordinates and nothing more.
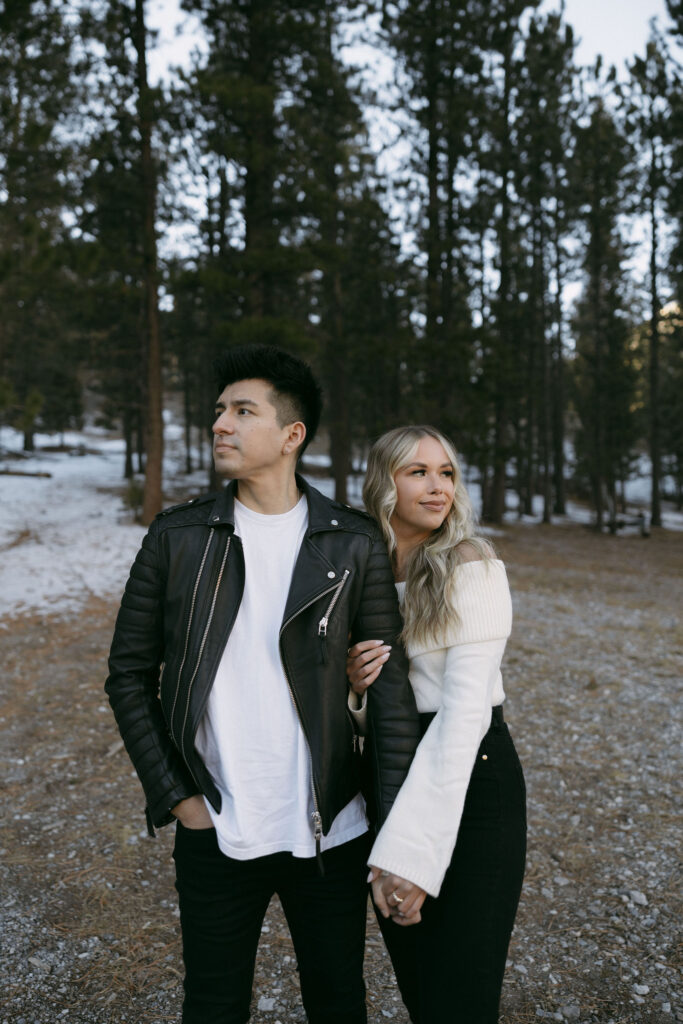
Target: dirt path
(593, 676)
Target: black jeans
(450, 967)
(222, 906)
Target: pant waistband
(497, 718)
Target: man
(228, 682)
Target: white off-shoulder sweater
(460, 679)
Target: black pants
(450, 967)
(222, 906)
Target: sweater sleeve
(358, 709)
(420, 833)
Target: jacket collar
(323, 513)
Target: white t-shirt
(250, 737)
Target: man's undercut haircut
(296, 394)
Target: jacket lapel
(313, 574)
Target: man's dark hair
(296, 392)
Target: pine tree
(671, 421)
(341, 233)
(118, 225)
(648, 113)
(243, 283)
(440, 47)
(39, 91)
(503, 365)
(604, 371)
(546, 109)
(675, 9)
(154, 427)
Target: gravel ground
(593, 673)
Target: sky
(617, 29)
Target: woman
(457, 830)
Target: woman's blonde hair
(429, 603)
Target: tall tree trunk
(655, 442)
(187, 417)
(201, 444)
(154, 430)
(330, 224)
(340, 427)
(433, 242)
(501, 382)
(557, 385)
(520, 465)
(128, 441)
(544, 424)
(261, 236)
(140, 440)
(530, 403)
(599, 439)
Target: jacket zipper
(323, 625)
(324, 622)
(316, 817)
(189, 624)
(202, 645)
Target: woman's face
(424, 492)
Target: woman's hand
(364, 663)
(396, 897)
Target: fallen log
(22, 472)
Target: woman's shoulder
(475, 550)
(475, 557)
(481, 595)
(480, 599)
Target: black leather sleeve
(393, 720)
(133, 686)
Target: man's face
(248, 442)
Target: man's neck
(271, 496)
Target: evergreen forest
(506, 262)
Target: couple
(228, 682)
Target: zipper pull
(318, 834)
(322, 633)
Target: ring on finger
(399, 899)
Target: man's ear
(296, 434)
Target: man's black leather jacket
(176, 615)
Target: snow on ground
(69, 537)
(63, 539)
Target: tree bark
(558, 389)
(128, 441)
(261, 235)
(496, 497)
(154, 432)
(655, 445)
